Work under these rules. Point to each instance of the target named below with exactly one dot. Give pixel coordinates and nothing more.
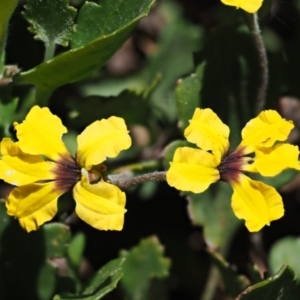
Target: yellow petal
(255, 202)
(272, 161)
(207, 131)
(251, 6)
(264, 130)
(40, 133)
(33, 204)
(101, 139)
(18, 168)
(192, 170)
(101, 205)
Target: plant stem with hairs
(126, 180)
(253, 24)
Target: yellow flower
(195, 169)
(251, 6)
(42, 169)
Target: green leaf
(46, 281)
(51, 20)
(212, 210)
(96, 21)
(76, 248)
(285, 251)
(143, 262)
(79, 63)
(187, 95)
(105, 280)
(113, 86)
(283, 286)
(57, 238)
(233, 282)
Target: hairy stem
(253, 24)
(124, 181)
(49, 51)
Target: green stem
(2, 52)
(211, 284)
(253, 24)
(42, 95)
(126, 180)
(49, 53)
(7, 7)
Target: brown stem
(125, 180)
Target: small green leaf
(57, 238)
(46, 281)
(187, 95)
(76, 248)
(285, 251)
(143, 262)
(105, 280)
(212, 210)
(51, 20)
(283, 286)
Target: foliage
(142, 264)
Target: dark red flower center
(231, 165)
(67, 173)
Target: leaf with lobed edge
(51, 20)
(89, 53)
(144, 262)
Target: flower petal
(272, 161)
(40, 133)
(33, 204)
(18, 168)
(192, 170)
(101, 205)
(264, 130)
(255, 202)
(207, 131)
(250, 6)
(101, 139)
